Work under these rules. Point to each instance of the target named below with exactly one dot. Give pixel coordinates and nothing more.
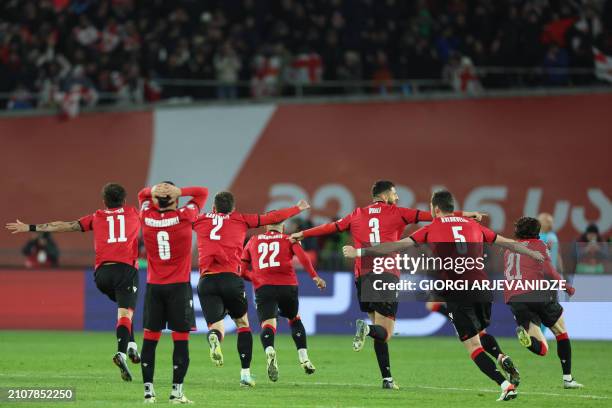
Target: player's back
(520, 267)
(271, 256)
(220, 241)
(115, 233)
(378, 222)
(457, 237)
(168, 239)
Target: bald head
(546, 221)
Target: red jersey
(520, 267)
(115, 234)
(221, 237)
(376, 223)
(451, 229)
(270, 256)
(168, 236)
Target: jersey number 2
(265, 248)
(218, 223)
(111, 229)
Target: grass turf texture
(432, 372)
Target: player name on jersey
(453, 219)
(162, 223)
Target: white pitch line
(569, 393)
(428, 387)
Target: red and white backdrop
(508, 157)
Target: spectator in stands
(181, 39)
(591, 252)
(41, 251)
(227, 69)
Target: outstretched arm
(380, 249)
(305, 261)
(276, 216)
(518, 247)
(55, 226)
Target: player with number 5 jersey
(167, 232)
(115, 230)
(221, 235)
(381, 221)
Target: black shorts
(272, 300)
(221, 294)
(370, 300)
(169, 306)
(469, 318)
(546, 312)
(119, 282)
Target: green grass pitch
(432, 372)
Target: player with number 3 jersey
(221, 235)
(381, 221)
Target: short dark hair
(527, 227)
(381, 186)
(168, 182)
(113, 195)
(444, 200)
(164, 202)
(224, 202)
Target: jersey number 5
(265, 248)
(460, 238)
(111, 229)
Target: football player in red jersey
(270, 257)
(381, 221)
(115, 229)
(221, 235)
(469, 317)
(167, 232)
(531, 308)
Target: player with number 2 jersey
(221, 235)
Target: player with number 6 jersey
(270, 257)
(533, 308)
(115, 230)
(167, 233)
(221, 235)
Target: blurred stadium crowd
(124, 51)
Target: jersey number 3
(265, 248)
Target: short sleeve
(86, 223)
(488, 235)
(344, 223)
(420, 235)
(409, 215)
